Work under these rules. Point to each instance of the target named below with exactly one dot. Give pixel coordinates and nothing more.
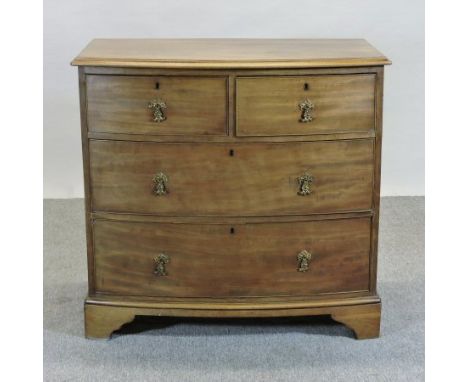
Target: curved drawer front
(157, 105)
(248, 179)
(201, 260)
(321, 104)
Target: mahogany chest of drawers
(231, 178)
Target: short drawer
(163, 105)
(218, 260)
(306, 105)
(242, 179)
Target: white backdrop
(395, 27)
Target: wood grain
(304, 71)
(86, 176)
(102, 320)
(234, 95)
(138, 218)
(240, 260)
(230, 53)
(230, 139)
(258, 179)
(245, 303)
(364, 321)
(195, 105)
(269, 106)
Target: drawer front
(245, 179)
(201, 260)
(326, 104)
(157, 105)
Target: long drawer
(245, 179)
(219, 260)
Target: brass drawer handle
(160, 181)
(306, 107)
(303, 259)
(161, 260)
(304, 183)
(158, 106)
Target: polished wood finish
(195, 105)
(224, 179)
(116, 216)
(269, 106)
(230, 53)
(241, 72)
(229, 139)
(376, 188)
(232, 223)
(244, 304)
(87, 184)
(364, 321)
(261, 258)
(102, 320)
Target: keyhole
(157, 85)
(232, 231)
(231, 152)
(306, 86)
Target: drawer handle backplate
(161, 260)
(158, 106)
(304, 182)
(306, 107)
(303, 259)
(160, 181)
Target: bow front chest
(231, 178)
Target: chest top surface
(230, 53)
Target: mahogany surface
(231, 178)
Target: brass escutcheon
(306, 107)
(161, 260)
(303, 259)
(160, 181)
(158, 106)
(304, 183)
